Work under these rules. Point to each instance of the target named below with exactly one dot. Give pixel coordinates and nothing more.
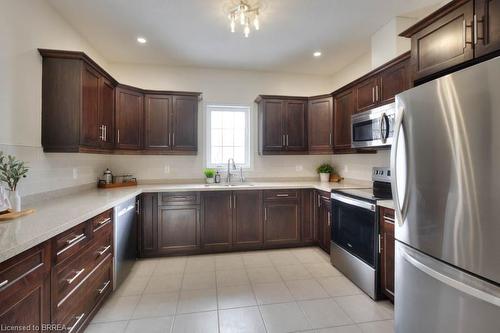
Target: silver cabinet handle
(138, 207)
(287, 140)
(75, 325)
(265, 214)
(234, 200)
(373, 94)
(4, 283)
(70, 281)
(100, 253)
(389, 219)
(330, 140)
(230, 199)
(282, 195)
(74, 239)
(329, 219)
(475, 29)
(101, 134)
(118, 135)
(319, 201)
(283, 140)
(376, 93)
(169, 135)
(105, 133)
(101, 290)
(379, 241)
(106, 220)
(173, 138)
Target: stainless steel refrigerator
(445, 164)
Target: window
(228, 135)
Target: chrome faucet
(230, 163)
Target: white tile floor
(292, 290)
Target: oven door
(373, 128)
(354, 227)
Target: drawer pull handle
(4, 283)
(75, 325)
(74, 239)
(389, 219)
(281, 195)
(106, 220)
(70, 281)
(104, 250)
(101, 290)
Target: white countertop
(58, 214)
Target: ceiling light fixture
(244, 14)
(317, 54)
(141, 40)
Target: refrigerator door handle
(399, 202)
(488, 295)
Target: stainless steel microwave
(373, 128)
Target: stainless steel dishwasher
(125, 240)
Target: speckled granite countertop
(58, 214)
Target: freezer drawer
(435, 297)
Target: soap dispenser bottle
(217, 177)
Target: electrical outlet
(346, 168)
(75, 173)
(299, 168)
(166, 169)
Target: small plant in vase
(324, 171)
(11, 172)
(209, 175)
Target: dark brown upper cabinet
(129, 118)
(383, 84)
(343, 108)
(157, 122)
(282, 125)
(487, 25)
(320, 125)
(77, 103)
(459, 34)
(85, 110)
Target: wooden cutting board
(10, 214)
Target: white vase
(324, 177)
(15, 200)
(210, 180)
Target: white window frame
(247, 109)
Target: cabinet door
(148, 224)
(342, 111)
(320, 125)
(157, 114)
(296, 126)
(247, 218)
(393, 81)
(25, 291)
(90, 126)
(107, 113)
(324, 223)
(178, 229)
(308, 216)
(272, 125)
(129, 118)
(387, 252)
(282, 222)
(444, 43)
(488, 26)
(366, 94)
(217, 226)
(184, 126)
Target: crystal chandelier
(245, 15)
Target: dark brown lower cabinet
(387, 252)
(281, 222)
(178, 229)
(217, 217)
(308, 219)
(148, 224)
(25, 290)
(248, 228)
(324, 216)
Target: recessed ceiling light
(317, 54)
(141, 40)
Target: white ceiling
(196, 32)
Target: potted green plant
(209, 175)
(11, 172)
(324, 171)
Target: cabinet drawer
(180, 198)
(21, 266)
(71, 242)
(69, 275)
(280, 194)
(101, 283)
(102, 221)
(388, 215)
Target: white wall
(26, 25)
(218, 86)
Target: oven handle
(354, 202)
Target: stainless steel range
(355, 244)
